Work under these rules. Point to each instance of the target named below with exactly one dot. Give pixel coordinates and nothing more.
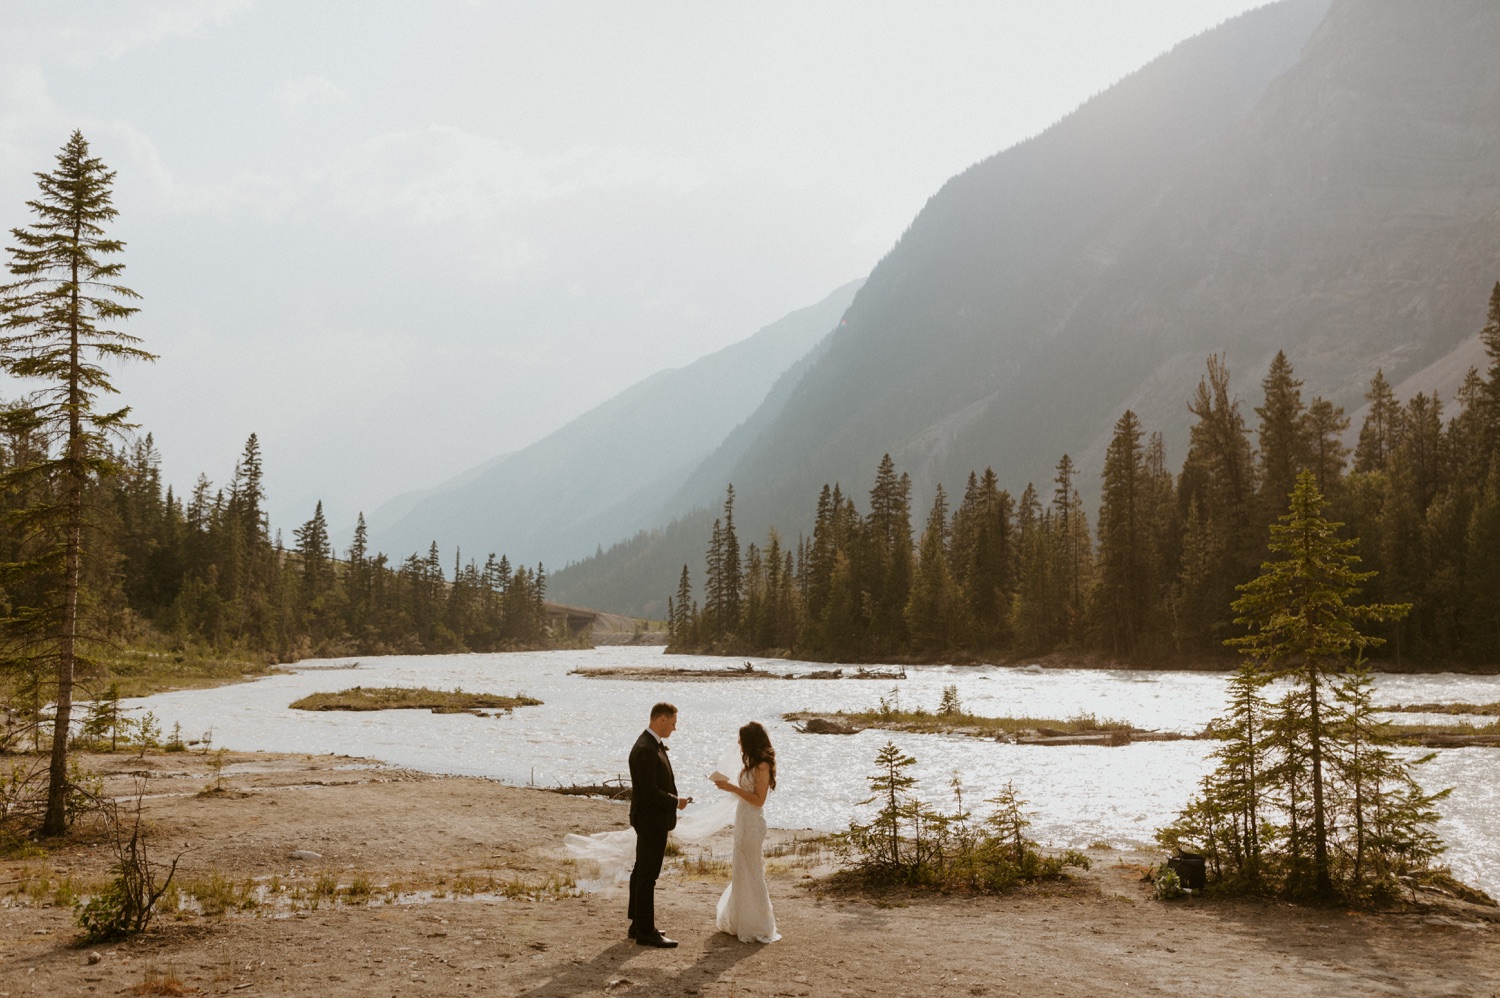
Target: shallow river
(1079, 794)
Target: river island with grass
(412, 698)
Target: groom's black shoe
(656, 939)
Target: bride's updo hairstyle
(755, 748)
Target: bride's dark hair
(755, 748)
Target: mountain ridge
(1318, 177)
(611, 471)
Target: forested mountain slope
(953, 320)
(1313, 177)
(1245, 193)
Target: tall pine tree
(58, 321)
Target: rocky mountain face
(614, 470)
(1320, 178)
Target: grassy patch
(964, 723)
(1426, 735)
(1422, 734)
(140, 671)
(1397, 729)
(1440, 735)
(218, 894)
(156, 981)
(1489, 709)
(705, 866)
(360, 888)
(409, 698)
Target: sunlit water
(1080, 794)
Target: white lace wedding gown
(745, 907)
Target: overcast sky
(397, 239)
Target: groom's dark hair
(662, 708)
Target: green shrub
(911, 842)
(127, 905)
(1168, 884)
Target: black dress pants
(650, 849)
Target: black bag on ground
(1190, 869)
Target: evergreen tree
(1325, 424)
(818, 572)
(1032, 612)
(1389, 828)
(1422, 450)
(1125, 586)
(1230, 819)
(1467, 439)
(57, 326)
(1071, 552)
(357, 578)
(984, 558)
(1381, 428)
(316, 553)
(1283, 441)
(1305, 629)
(1217, 494)
(1480, 604)
(934, 608)
(753, 620)
(686, 626)
(887, 566)
(713, 586)
(788, 620)
(731, 577)
(1490, 337)
(1163, 555)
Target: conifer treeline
(206, 570)
(999, 575)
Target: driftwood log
(826, 726)
(616, 789)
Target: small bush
(1168, 884)
(911, 842)
(216, 766)
(950, 704)
(127, 905)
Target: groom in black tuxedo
(653, 813)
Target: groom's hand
(683, 802)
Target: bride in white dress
(745, 908)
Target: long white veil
(614, 852)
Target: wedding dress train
(745, 907)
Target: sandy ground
(417, 839)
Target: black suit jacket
(653, 788)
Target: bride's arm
(760, 777)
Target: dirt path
(506, 932)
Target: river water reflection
(1080, 794)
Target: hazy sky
(396, 239)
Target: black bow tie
(663, 746)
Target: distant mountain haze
(611, 471)
(1321, 178)
(976, 340)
